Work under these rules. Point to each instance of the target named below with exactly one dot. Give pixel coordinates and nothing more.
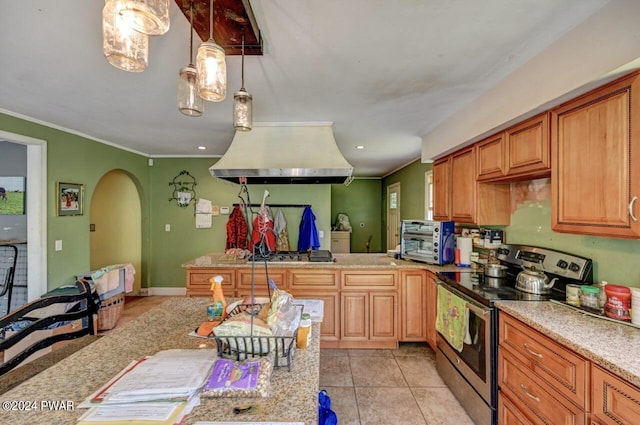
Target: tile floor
(388, 387)
(373, 387)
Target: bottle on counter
(304, 331)
(590, 297)
(217, 310)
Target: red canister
(618, 302)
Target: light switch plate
(58, 245)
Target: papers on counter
(314, 307)
(159, 389)
(249, 423)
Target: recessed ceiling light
(202, 148)
(359, 147)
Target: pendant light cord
(242, 60)
(191, 34)
(211, 20)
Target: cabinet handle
(526, 347)
(524, 390)
(633, 200)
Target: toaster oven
(427, 241)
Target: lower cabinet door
(384, 310)
(615, 401)
(355, 316)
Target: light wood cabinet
(320, 284)
(595, 152)
(509, 413)
(470, 201)
(491, 162)
(441, 190)
(413, 310)
(340, 242)
(245, 279)
(198, 284)
(540, 380)
(527, 152)
(432, 295)
(369, 307)
(615, 401)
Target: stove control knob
(562, 264)
(574, 267)
(503, 251)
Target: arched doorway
(116, 224)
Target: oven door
(473, 362)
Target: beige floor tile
(413, 349)
(335, 371)
(370, 353)
(388, 406)
(440, 407)
(334, 352)
(376, 372)
(343, 402)
(420, 371)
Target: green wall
(361, 202)
(412, 190)
(615, 260)
(72, 158)
(185, 242)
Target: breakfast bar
(293, 394)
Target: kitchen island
(370, 300)
(293, 395)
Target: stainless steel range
(471, 373)
(313, 256)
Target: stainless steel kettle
(534, 281)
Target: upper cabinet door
(441, 190)
(463, 184)
(491, 157)
(527, 148)
(595, 152)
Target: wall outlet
(167, 227)
(58, 245)
(321, 234)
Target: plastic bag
(326, 416)
(284, 316)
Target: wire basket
(279, 348)
(110, 311)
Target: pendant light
(149, 17)
(211, 67)
(124, 47)
(189, 101)
(242, 104)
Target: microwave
(427, 241)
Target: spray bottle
(217, 310)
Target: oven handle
(477, 309)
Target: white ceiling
(385, 73)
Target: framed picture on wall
(69, 198)
(12, 195)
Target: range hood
(281, 154)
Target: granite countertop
(293, 394)
(607, 343)
(367, 261)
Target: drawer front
(614, 401)
(561, 368)
(360, 279)
(199, 280)
(260, 279)
(537, 399)
(303, 279)
(509, 414)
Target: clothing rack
(277, 205)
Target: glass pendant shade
(124, 47)
(189, 101)
(149, 17)
(242, 111)
(212, 72)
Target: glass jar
(590, 297)
(573, 294)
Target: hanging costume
(237, 230)
(308, 238)
(280, 228)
